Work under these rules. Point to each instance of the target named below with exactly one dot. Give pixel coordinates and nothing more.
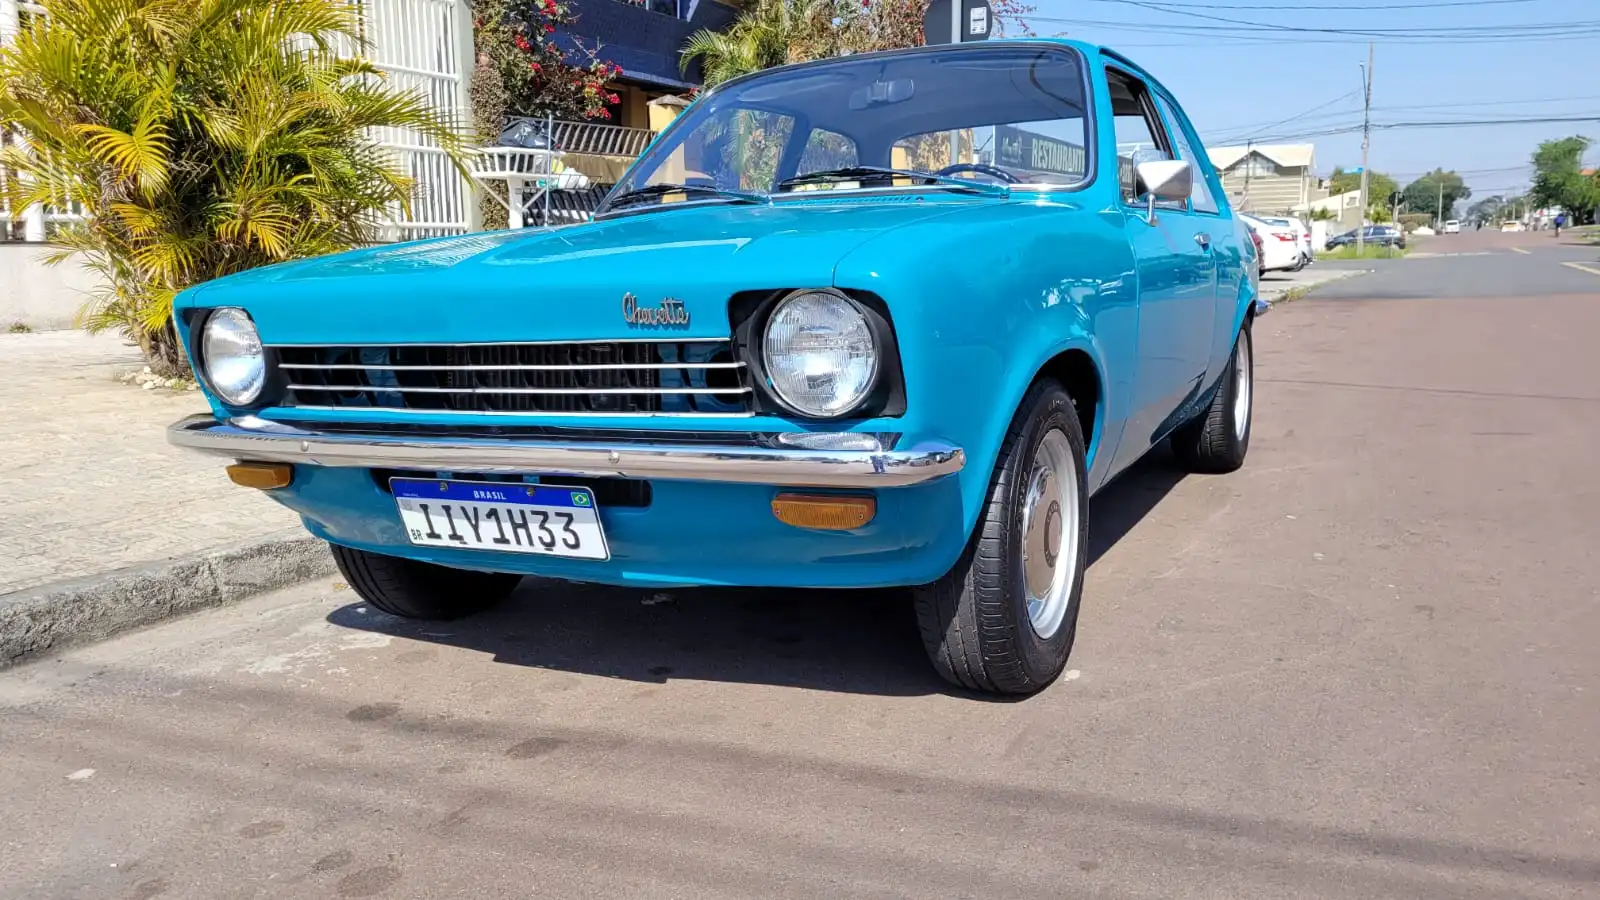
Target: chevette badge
(671, 313)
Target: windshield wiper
(628, 198)
(861, 173)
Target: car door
(1209, 211)
(1175, 267)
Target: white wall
(42, 297)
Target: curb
(1295, 292)
(95, 607)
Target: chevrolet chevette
(885, 320)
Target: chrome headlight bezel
(233, 388)
(867, 325)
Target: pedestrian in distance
(1561, 220)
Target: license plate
(511, 518)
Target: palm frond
(203, 137)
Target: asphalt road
(1367, 666)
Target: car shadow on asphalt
(845, 641)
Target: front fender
(983, 300)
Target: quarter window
(1201, 200)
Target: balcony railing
(678, 9)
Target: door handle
(1203, 239)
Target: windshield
(1015, 111)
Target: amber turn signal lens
(824, 511)
(261, 476)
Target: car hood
(567, 283)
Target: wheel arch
(1077, 371)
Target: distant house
(1345, 209)
(1268, 178)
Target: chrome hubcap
(1241, 391)
(1050, 533)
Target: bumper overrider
(252, 439)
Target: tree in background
(201, 138)
(776, 32)
(525, 68)
(1558, 178)
(1487, 210)
(543, 72)
(1379, 187)
(1424, 194)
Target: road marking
(1522, 251)
(1583, 268)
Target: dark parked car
(1382, 235)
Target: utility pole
(1439, 214)
(1249, 148)
(1366, 143)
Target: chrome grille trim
(405, 414)
(586, 341)
(628, 377)
(499, 390)
(356, 367)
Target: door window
(1139, 132)
(1201, 200)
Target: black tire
(974, 621)
(1299, 263)
(412, 589)
(1212, 442)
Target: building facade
(1268, 178)
(645, 38)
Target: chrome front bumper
(250, 439)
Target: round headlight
(820, 354)
(230, 351)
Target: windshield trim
(1090, 119)
(786, 197)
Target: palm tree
(201, 138)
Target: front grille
(593, 377)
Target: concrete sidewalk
(93, 492)
(1275, 285)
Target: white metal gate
(426, 46)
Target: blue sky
(1236, 83)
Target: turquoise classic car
(881, 320)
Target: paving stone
(91, 483)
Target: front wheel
(1217, 440)
(412, 589)
(1003, 618)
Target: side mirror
(1164, 180)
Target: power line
(1338, 7)
(1252, 41)
(1234, 133)
(1232, 24)
(1251, 32)
(1240, 132)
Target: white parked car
(1452, 227)
(1281, 247)
(1511, 226)
(1301, 229)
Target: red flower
(535, 67)
(611, 98)
(548, 29)
(605, 113)
(521, 42)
